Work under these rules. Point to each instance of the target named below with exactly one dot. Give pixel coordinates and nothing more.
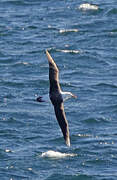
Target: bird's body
(57, 97)
(46, 97)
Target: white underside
(65, 95)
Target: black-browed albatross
(57, 96)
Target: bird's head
(40, 99)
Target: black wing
(53, 74)
(61, 118)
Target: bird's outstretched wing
(53, 74)
(61, 118)
(56, 98)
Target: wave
(87, 6)
(21, 63)
(96, 120)
(102, 84)
(68, 176)
(55, 154)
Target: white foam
(55, 154)
(88, 6)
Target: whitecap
(68, 51)
(8, 150)
(88, 6)
(55, 154)
(68, 30)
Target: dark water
(83, 43)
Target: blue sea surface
(82, 39)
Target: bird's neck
(46, 98)
(66, 95)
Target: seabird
(57, 97)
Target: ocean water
(82, 38)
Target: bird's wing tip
(51, 60)
(48, 55)
(68, 142)
(46, 51)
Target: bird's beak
(40, 99)
(74, 96)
